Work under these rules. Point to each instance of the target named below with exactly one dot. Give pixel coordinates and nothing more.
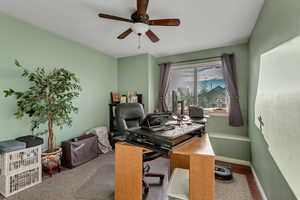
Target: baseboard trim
(228, 137)
(260, 188)
(233, 160)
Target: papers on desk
(176, 123)
(171, 122)
(178, 131)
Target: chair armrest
(120, 138)
(151, 156)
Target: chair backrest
(129, 116)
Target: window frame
(215, 112)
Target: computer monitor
(174, 102)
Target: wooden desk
(196, 155)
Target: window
(199, 84)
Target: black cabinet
(112, 121)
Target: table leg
(128, 172)
(202, 177)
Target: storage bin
(15, 161)
(14, 183)
(79, 150)
(19, 170)
(178, 188)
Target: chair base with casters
(146, 158)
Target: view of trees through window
(202, 84)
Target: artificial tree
(49, 99)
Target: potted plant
(48, 100)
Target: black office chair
(129, 116)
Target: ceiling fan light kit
(141, 22)
(140, 28)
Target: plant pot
(52, 160)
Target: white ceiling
(204, 23)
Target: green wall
(140, 74)
(154, 83)
(231, 148)
(278, 22)
(35, 47)
(219, 124)
(133, 76)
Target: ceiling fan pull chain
(139, 41)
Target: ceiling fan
(141, 22)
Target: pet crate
(20, 170)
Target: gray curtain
(229, 67)
(165, 70)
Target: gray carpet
(95, 181)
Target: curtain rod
(194, 60)
(199, 59)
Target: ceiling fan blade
(152, 36)
(125, 34)
(164, 22)
(114, 18)
(142, 6)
